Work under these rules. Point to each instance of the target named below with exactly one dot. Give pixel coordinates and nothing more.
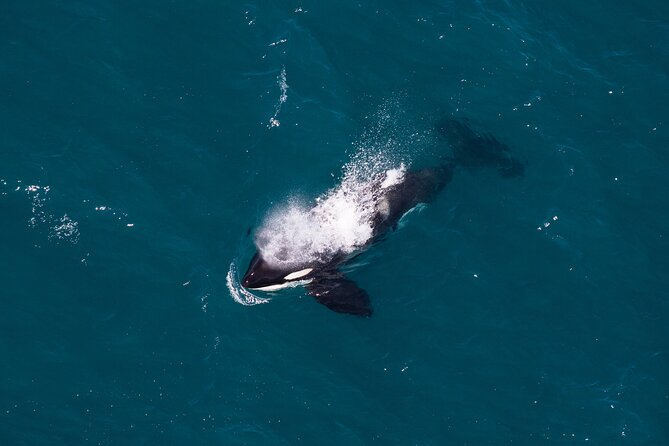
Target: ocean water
(143, 142)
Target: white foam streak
(283, 85)
(240, 294)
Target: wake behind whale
(302, 243)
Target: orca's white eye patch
(298, 274)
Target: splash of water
(341, 220)
(339, 223)
(240, 294)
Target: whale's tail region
(469, 150)
(474, 150)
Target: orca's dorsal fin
(340, 294)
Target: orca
(394, 195)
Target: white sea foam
(296, 233)
(240, 294)
(65, 229)
(59, 228)
(283, 85)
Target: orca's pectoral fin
(341, 295)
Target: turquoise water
(140, 143)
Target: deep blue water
(136, 151)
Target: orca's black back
(418, 186)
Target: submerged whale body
(313, 258)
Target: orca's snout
(260, 274)
(247, 280)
